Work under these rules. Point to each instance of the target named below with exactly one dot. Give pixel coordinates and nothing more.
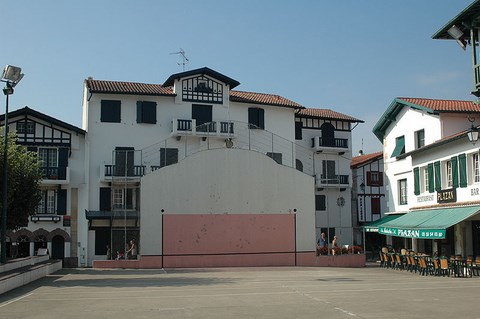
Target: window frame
(402, 191)
(419, 138)
(448, 174)
(475, 168)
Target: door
(58, 247)
(328, 134)
(203, 114)
(124, 161)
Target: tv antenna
(184, 58)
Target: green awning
(427, 224)
(399, 147)
(373, 226)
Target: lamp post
(11, 76)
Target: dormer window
(25, 127)
(202, 89)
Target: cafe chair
(444, 267)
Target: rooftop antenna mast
(184, 58)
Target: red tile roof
(116, 87)
(364, 159)
(262, 98)
(327, 114)
(444, 105)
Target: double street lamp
(11, 76)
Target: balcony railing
(329, 142)
(120, 171)
(476, 74)
(332, 180)
(55, 173)
(182, 127)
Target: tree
(24, 176)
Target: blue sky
(350, 56)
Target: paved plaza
(284, 292)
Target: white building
(329, 135)
(193, 147)
(431, 170)
(368, 197)
(56, 224)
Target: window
(124, 161)
(328, 172)
(201, 88)
(110, 111)
(399, 146)
(374, 178)
(376, 208)
(53, 202)
(328, 134)
(146, 112)
(298, 130)
(402, 192)
(168, 156)
(448, 169)
(26, 127)
(256, 118)
(123, 198)
(49, 162)
(320, 202)
(47, 202)
(277, 157)
(426, 180)
(476, 169)
(419, 138)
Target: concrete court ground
(284, 292)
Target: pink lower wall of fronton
(228, 234)
(243, 260)
(306, 258)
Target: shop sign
(447, 196)
(413, 233)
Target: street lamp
(11, 76)
(472, 134)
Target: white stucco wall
(226, 181)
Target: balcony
(329, 145)
(182, 127)
(332, 181)
(55, 175)
(109, 172)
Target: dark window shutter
(298, 130)
(454, 172)
(62, 163)
(110, 111)
(462, 165)
(277, 157)
(375, 204)
(320, 202)
(149, 112)
(168, 156)
(139, 111)
(431, 182)
(62, 202)
(129, 198)
(261, 118)
(380, 178)
(256, 118)
(438, 176)
(416, 181)
(105, 198)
